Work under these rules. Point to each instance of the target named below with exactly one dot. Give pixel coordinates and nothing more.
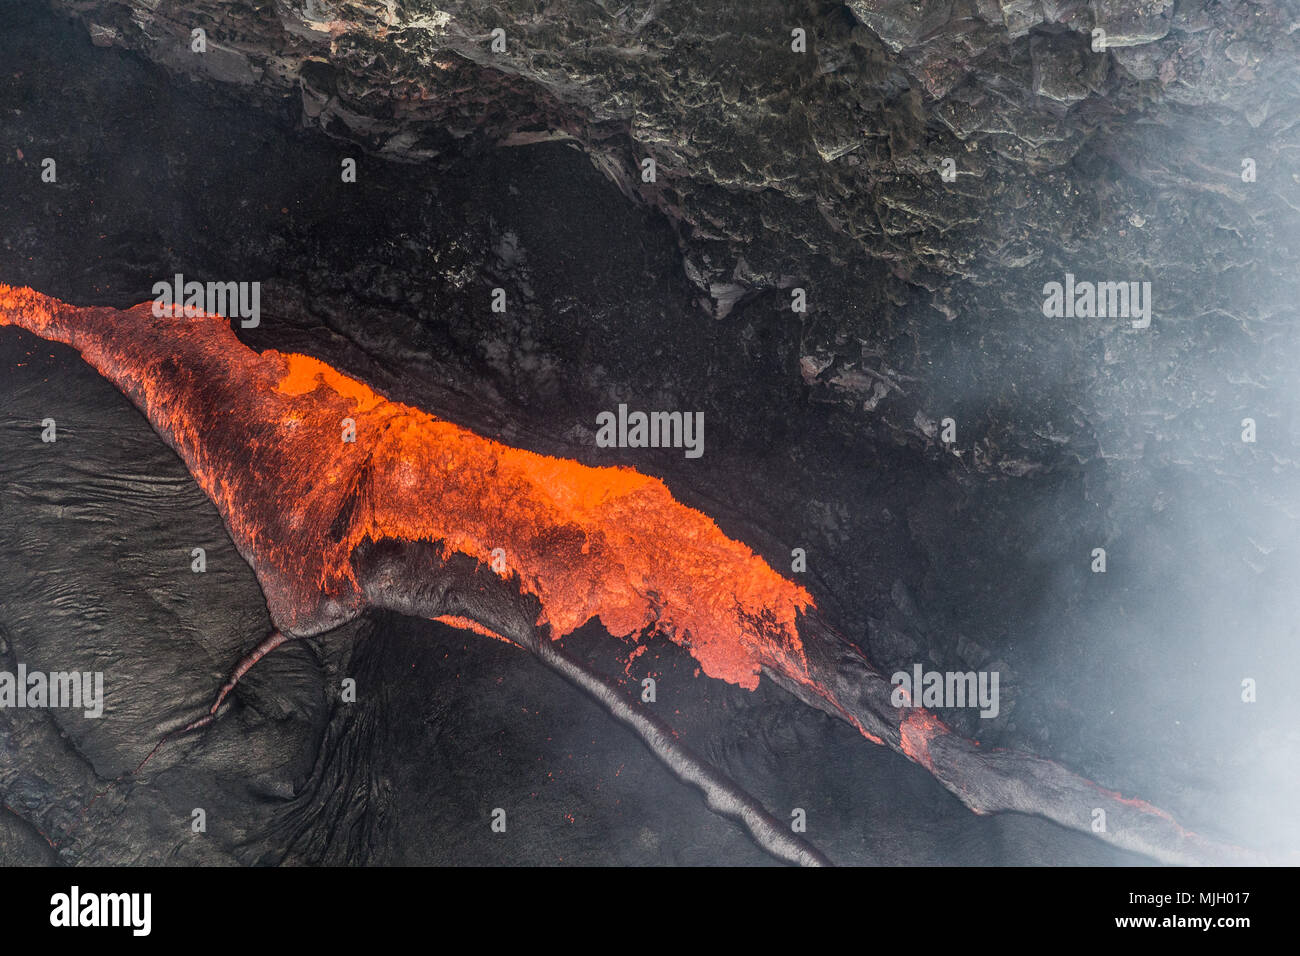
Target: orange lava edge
(264, 436)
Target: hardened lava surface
(924, 303)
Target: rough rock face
(1166, 154)
(1104, 138)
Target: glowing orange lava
(305, 465)
(469, 624)
(264, 434)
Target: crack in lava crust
(262, 435)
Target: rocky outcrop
(804, 145)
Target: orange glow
(469, 624)
(915, 730)
(263, 436)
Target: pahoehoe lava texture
(342, 501)
(820, 172)
(445, 727)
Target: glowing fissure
(469, 624)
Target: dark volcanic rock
(1115, 154)
(1117, 157)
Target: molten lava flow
(469, 624)
(265, 437)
